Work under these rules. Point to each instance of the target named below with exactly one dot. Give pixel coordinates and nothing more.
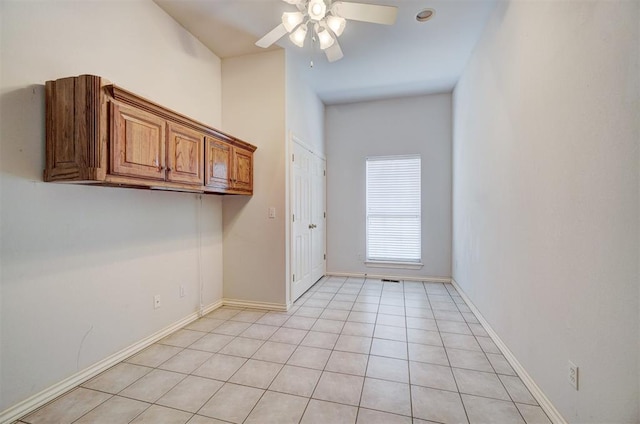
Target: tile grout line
(366, 368)
(376, 324)
(381, 294)
(230, 377)
(406, 323)
(319, 377)
(487, 358)
(191, 373)
(455, 380)
(214, 353)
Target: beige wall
(265, 101)
(253, 102)
(80, 265)
(546, 192)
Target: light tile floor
(349, 351)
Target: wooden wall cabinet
(218, 164)
(185, 155)
(242, 175)
(137, 143)
(99, 133)
(228, 168)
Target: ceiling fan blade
(272, 36)
(334, 52)
(373, 13)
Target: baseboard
(538, 394)
(389, 276)
(47, 395)
(211, 307)
(254, 305)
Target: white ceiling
(379, 61)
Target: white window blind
(393, 209)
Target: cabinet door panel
(184, 161)
(138, 142)
(218, 164)
(243, 170)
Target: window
(393, 209)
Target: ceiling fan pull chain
(313, 49)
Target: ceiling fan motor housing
(317, 10)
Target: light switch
(272, 212)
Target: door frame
(292, 140)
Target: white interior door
(301, 223)
(318, 215)
(308, 220)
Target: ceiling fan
(327, 19)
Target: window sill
(394, 265)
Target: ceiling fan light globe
(325, 38)
(298, 36)
(317, 9)
(291, 20)
(337, 24)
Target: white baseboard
(211, 307)
(389, 276)
(254, 305)
(47, 395)
(538, 394)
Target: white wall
(305, 124)
(546, 193)
(304, 109)
(411, 125)
(80, 265)
(253, 99)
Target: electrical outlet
(272, 212)
(156, 301)
(573, 375)
(181, 290)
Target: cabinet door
(184, 158)
(137, 143)
(217, 164)
(242, 170)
